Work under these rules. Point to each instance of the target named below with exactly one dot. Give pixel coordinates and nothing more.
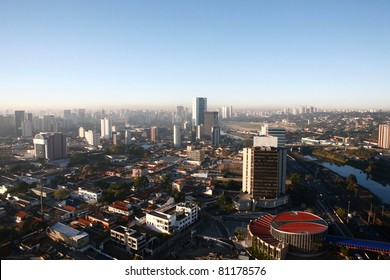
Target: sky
(129, 53)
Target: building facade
(106, 129)
(199, 106)
(50, 146)
(384, 136)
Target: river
(363, 179)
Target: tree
(225, 202)
(351, 182)
(61, 194)
(141, 182)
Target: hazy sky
(79, 53)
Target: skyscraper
(199, 106)
(210, 121)
(19, 118)
(106, 128)
(384, 136)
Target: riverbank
(365, 204)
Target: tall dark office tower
(199, 106)
(19, 118)
(210, 121)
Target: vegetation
(225, 202)
(115, 191)
(300, 194)
(141, 183)
(61, 194)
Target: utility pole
(369, 214)
(383, 210)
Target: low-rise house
(128, 239)
(20, 216)
(70, 236)
(90, 194)
(121, 208)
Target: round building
(298, 233)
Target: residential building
(106, 129)
(128, 239)
(384, 136)
(173, 219)
(70, 236)
(92, 137)
(176, 136)
(90, 194)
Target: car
(358, 257)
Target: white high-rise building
(92, 137)
(176, 136)
(384, 136)
(279, 132)
(27, 128)
(199, 106)
(106, 128)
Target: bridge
(359, 244)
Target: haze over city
(147, 53)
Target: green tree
(141, 183)
(61, 194)
(225, 202)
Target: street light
(349, 202)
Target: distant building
(384, 136)
(92, 137)
(50, 146)
(279, 132)
(68, 235)
(176, 136)
(106, 129)
(153, 133)
(210, 121)
(199, 106)
(81, 132)
(19, 118)
(27, 130)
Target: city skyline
(133, 54)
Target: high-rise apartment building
(176, 136)
(199, 106)
(153, 133)
(50, 146)
(106, 129)
(92, 137)
(384, 136)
